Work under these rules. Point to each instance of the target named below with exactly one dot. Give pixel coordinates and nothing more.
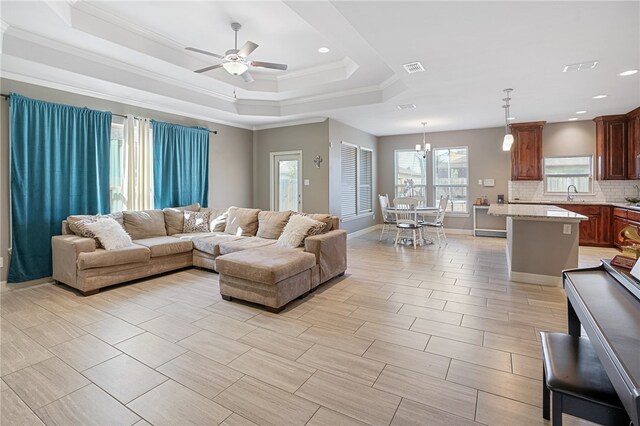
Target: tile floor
(433, 336)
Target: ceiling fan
(235, 61)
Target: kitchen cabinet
(633, 144)
(596, 231)
(526, 152)
(611, 147)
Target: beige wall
(230, 152)
(571, 138)
(312, 139)
(486, 161)
(339, 132)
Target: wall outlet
(306, 182)
(566, 228)
(1, 262)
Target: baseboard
(363, 231)
(546, 280)
(5, 287)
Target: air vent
(582, 66)
(406, 106)
(413, 67)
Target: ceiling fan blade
(204, 52)
(247, 48)
(209, 68)
(247, 77)
(269, 65)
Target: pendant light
(425, 147)
(508, 137)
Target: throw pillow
(242, 222)
(217, 218)
(296, 231)
(322, 217)
(195, 222)
(110, 233)
(79, 227)
(174, 217)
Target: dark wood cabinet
(633, 144)
(596, 231)
(611, 147)
(526, 152)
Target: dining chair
(438, 222)
(388, 218)
(407, 219)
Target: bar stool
(580, 385)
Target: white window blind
(348, 155)
(365, 184)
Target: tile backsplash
(604, 191)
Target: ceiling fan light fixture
(235, 68)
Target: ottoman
(270, 276)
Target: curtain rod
(6, 97)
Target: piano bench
(579, 383)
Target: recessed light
(324, 50)
(626, 73)
(599, 96)
(581, 112)
(573, 119)
(511, 118)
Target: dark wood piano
(605, 301)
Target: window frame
(568, 175)
(434, 186)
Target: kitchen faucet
(637, 191)
(569, 196)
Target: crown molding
(122, 100)
(290, 123)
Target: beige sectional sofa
(240, 244)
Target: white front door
(286, 181)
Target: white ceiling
(133, 52)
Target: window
(365, 186)
(116, 170)
(411, 174)
(560, 172)
(357, 180)
(451, 177)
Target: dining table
(421, 211)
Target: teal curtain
(59, 166)
(180, 165)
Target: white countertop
(535, 211)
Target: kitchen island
(542, 241)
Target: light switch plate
(479, 181)
(1, 262)
(566, 228)
(489, 182)
(306, 182)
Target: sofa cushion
(298, 228)
(174, 217)
(193, 235)
(265, 265)
(165, 246)
(217, 218)
(244, 244)
(271, 224)
(103, 258)
(242, 222)
(144, 224)
(211, 244)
